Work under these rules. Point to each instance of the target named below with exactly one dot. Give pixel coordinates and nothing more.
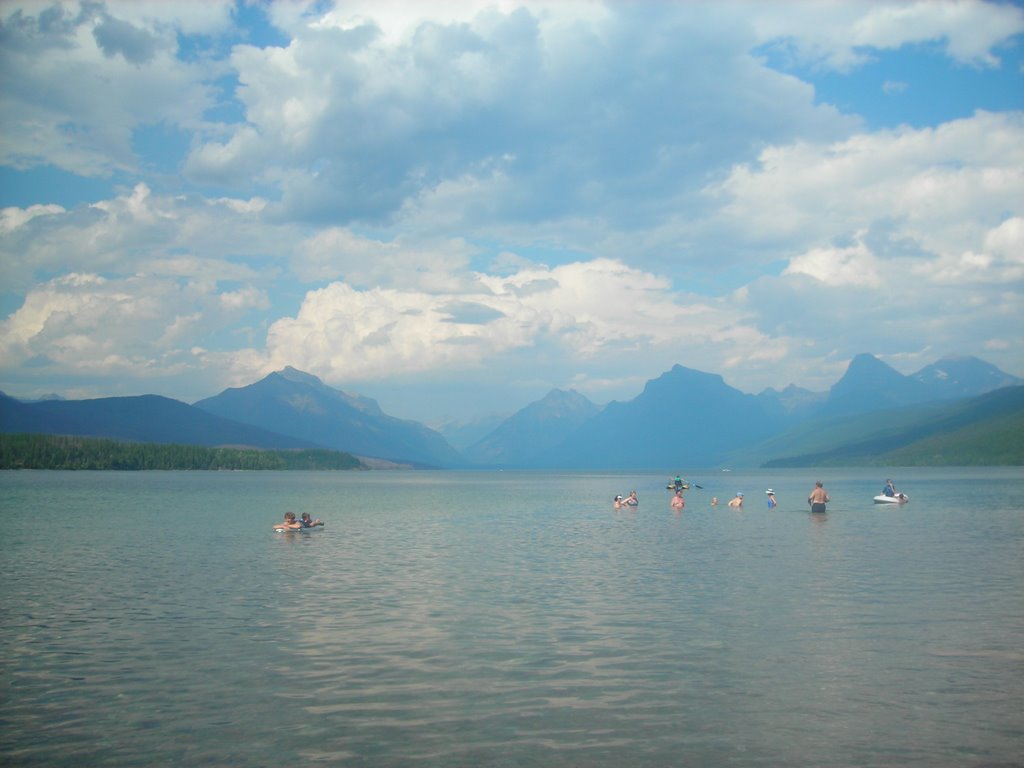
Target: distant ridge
(683, 418)
(538, 427)
(955, 377)
(145, 418)
(792, 402)
(871, 385)
(301, 405)
(983, 430)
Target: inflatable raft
(899, 498)
(310, 529)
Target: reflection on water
(517, 619)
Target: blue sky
(454, 208)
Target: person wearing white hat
(772, 503)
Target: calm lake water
(511, 619)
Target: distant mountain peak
(565, 397)
(867, 361)
(866, 367)
(680, 376)
(299, 377)
(303, 379)
(963, 376)
(870, 384)
(534, 428)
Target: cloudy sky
(456, 207)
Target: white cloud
(244, 298)
(209, 17)
(942, 188)
(85, 322)
(998, 261)
(355, 124)
(842, 35)
(340, 254)
(1007, 240)
(83, 124)
(854, 265)
(12, 218)
(141, 232)
(597, 313)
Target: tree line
(39, 451)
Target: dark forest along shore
(473, 618)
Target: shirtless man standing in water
(818, 498)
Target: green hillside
(985, 430)
(994, 442)
(39, 451)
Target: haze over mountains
(690, 418)
(683, 418)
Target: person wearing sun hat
(772, 503)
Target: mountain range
(683, 418)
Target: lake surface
(511, 619)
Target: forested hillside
(996, 442)
(986, 430)
(39, 451)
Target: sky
(455, 207)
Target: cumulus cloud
(944, 187)
(141, 232)
(546, 194)
(337, 253)
(62, 109)
(854, 265)
(598, 313)
(83, 322)
(12, 218)
(360, 121)
(1007, 240)
(842, 35)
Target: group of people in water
(817, 499)
(736, 502)
(290, 523)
